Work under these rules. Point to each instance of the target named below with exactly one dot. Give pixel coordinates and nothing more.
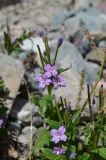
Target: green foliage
(3, 110)
(52, 123)
(100, 152)
(43, 138)
(45, 103)
(84, 156)
(48, 154)
(60, 70)
(10, 45)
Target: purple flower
(43, 81)
(41, 34)
(58, 135)
(50, 70)
(57, 150)
(58, 81)
(68, 107)
(60, 41)
(1, 123)
(72, 155)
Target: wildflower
(1, 123)
(72, 155)
(41, 34)
(57, 150)
(60, 41)
(58, 135)
(43, 81)
(58, 81)
(68, 107)
(50, 70)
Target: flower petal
(55, 139)
(62, 129)
(53, 132)
(63, 137)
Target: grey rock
(28, 129)
(72, 55)
(24, 138)
(69, 54)
(82, 43)
(24, 114)
(12, 71)
(14, 126)
(5, 2)
(31, 45)
(82, 4)
(85, 4)
(23, 56)
(33, 84)
(22, 110)
(102, 43)
(86, 20)
(95, 56)
(37, 121)
(59, 19)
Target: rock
(85, 4)
(72, 55)
(27, 130)
(72, 76)
(81, 4)
(101, 6)
(37, 121)
(22, 110)
(12, 72)
(5, 2)
(95, 56)
(14, 126)
(85, 20)
(31, 45)
(59, 19)
(13, 153)
(24, 138)
(102, 43)
(30, 76)
(82, 43)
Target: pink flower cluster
(50, 76)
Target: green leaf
(44, 103)
(3, 111)
(52, 123)
(45, 60)
(101, 152)
(85, 156)
(7, 43)
(18, 50)
(43, 138)
(48, 154)
(63, 69)
(2, 85)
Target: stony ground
(66, 18)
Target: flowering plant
(68, 134)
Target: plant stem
(40, 54)
(89, 102)
(47, 49)
(59, 115)
(56, 55)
